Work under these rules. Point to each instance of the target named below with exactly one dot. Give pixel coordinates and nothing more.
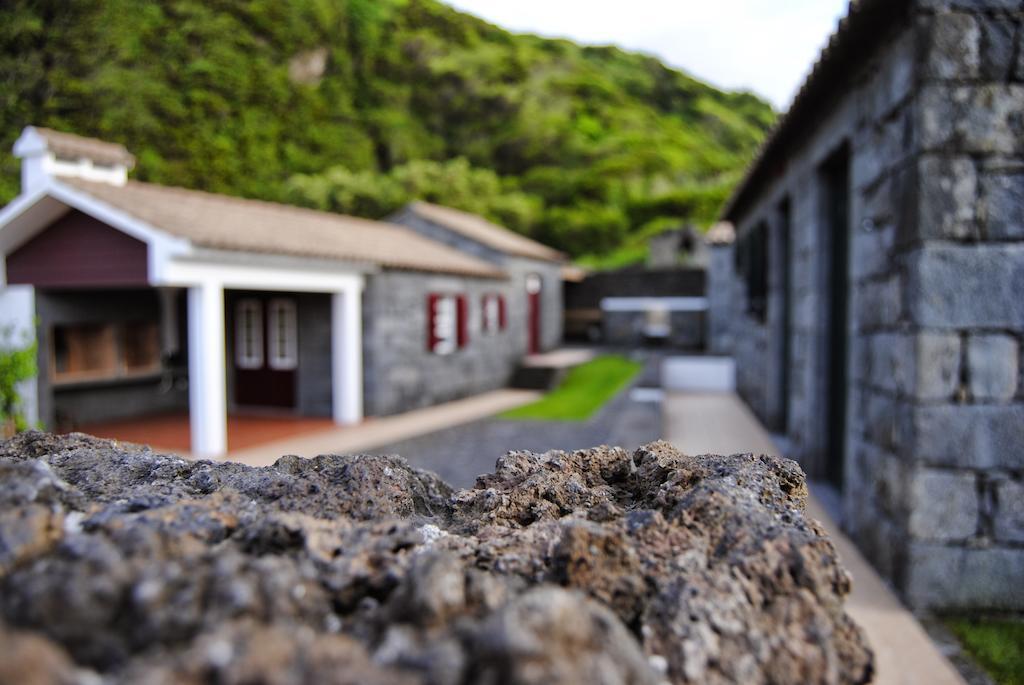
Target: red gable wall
(79, 251)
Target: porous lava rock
(121, 565)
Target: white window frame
(446, 324)
(534, 284)
(249, 359)
(491, 314)
(282, 357)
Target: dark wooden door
(266, 353)
(533, 291)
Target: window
(249, 334)
(282, 332)
(447, 323)
(752, 265)
(85, 352)
(493, 316)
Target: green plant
(17, 364)
(583, 392)
(997, 645)
(578, 146)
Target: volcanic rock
(121, 565)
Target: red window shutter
(432, 299)
(463, 320)
(502, 314)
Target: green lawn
(585, 390)
(997, 646)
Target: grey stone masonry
(1009, 518)
(932, 125)
(400, 373)
(992, 362)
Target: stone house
(147, 299)
(872, 297)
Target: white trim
(642, 304)
(207, 387)
(534, 284)
(490, 313)
(266, 260)
(347, 356)
(445, 321)
(162, 246)
(186, 273)
(246, 358)
(282, 352)
(39, 163)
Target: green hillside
(359, 105)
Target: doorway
(835, 175)
(266, 350)
(534, 288)
(784, 331)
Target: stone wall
(552, 299)
(627, 329)
(964, 317)
(518, 269)
(400, 374)
(934, 436)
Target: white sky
(767, 46)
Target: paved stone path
(460, 453)
(379, 431)
(721, 423)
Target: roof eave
(867, 25)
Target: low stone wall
(628, 329)
(594, 566)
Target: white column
(347, 355)
(207, 394)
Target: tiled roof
(73, 147)
(229, 223)
(867, 25)
(483, 231)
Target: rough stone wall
(626, 329)
(935, 420)
(118, 565)
(552, 297)
(721, 281)
(400, 374)
(964, 317)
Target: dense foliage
(359, 105)
(17, 365)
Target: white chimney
(46, 154)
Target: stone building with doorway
(872, 297)
(148, 300)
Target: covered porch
(171, 431)
(202, 369)
(137, 333)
